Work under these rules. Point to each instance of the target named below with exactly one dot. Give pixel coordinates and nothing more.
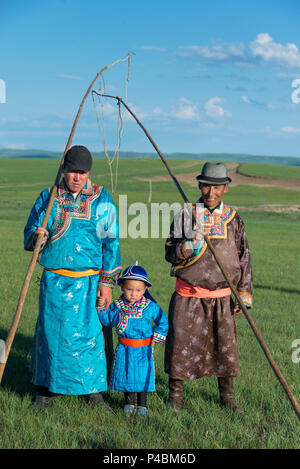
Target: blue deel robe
(133, 367)
(68, 352)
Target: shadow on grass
(92, 443)
(162, 387)
(17, 377)
(192, 390)
(271, 287)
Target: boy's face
(133, 290)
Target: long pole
(257, 334)
(36, 251)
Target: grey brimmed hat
(78, 158)
(214, 174)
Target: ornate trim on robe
(68, 208)
(128, 311)
(159, 338)
(108, 278)
(246, 299)
(214, 226)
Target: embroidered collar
(87, 190)
(214, 221)
(128, 308)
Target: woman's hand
(41, 231)
(104, 296)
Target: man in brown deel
(202, 338)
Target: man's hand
(197, 237)
(104, 294)
(237, 310)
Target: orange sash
(73, 273)
(185, 289)
(135, 342)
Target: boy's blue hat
(135, 272)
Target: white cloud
(266, 130)
(158, 111)
(245, 99)
(69, 77)
(203, 51)
(32, 133)
(182, 110)
(270, 51)
(127, 117)
(219, 52)
(288, 75)
(214, 110)
(290, 130)
(186, 110)
(16, 146)
(262, 50)
(155, 48)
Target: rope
(120, 127)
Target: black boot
(97, 400)
(175, 394)
(226, 394)
(43, 398)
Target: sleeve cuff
(158, 338)
(189, 249)
(109, 278)
(246, 299)
(101, 309)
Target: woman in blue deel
(81, 260)
(133, 315)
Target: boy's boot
(226, 394)
(175, 394)
(142, 411)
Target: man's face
(212, 195)
(76, 180)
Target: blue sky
(206, 76)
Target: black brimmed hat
(78, 158)
(214, 174)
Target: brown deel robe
(202, 338)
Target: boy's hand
(100, 301)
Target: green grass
(269, 421)
(270, 170)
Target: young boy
(132, 316)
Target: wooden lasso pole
(26, 283)
(257, 334)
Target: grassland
(270, 170)
(269, 421)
